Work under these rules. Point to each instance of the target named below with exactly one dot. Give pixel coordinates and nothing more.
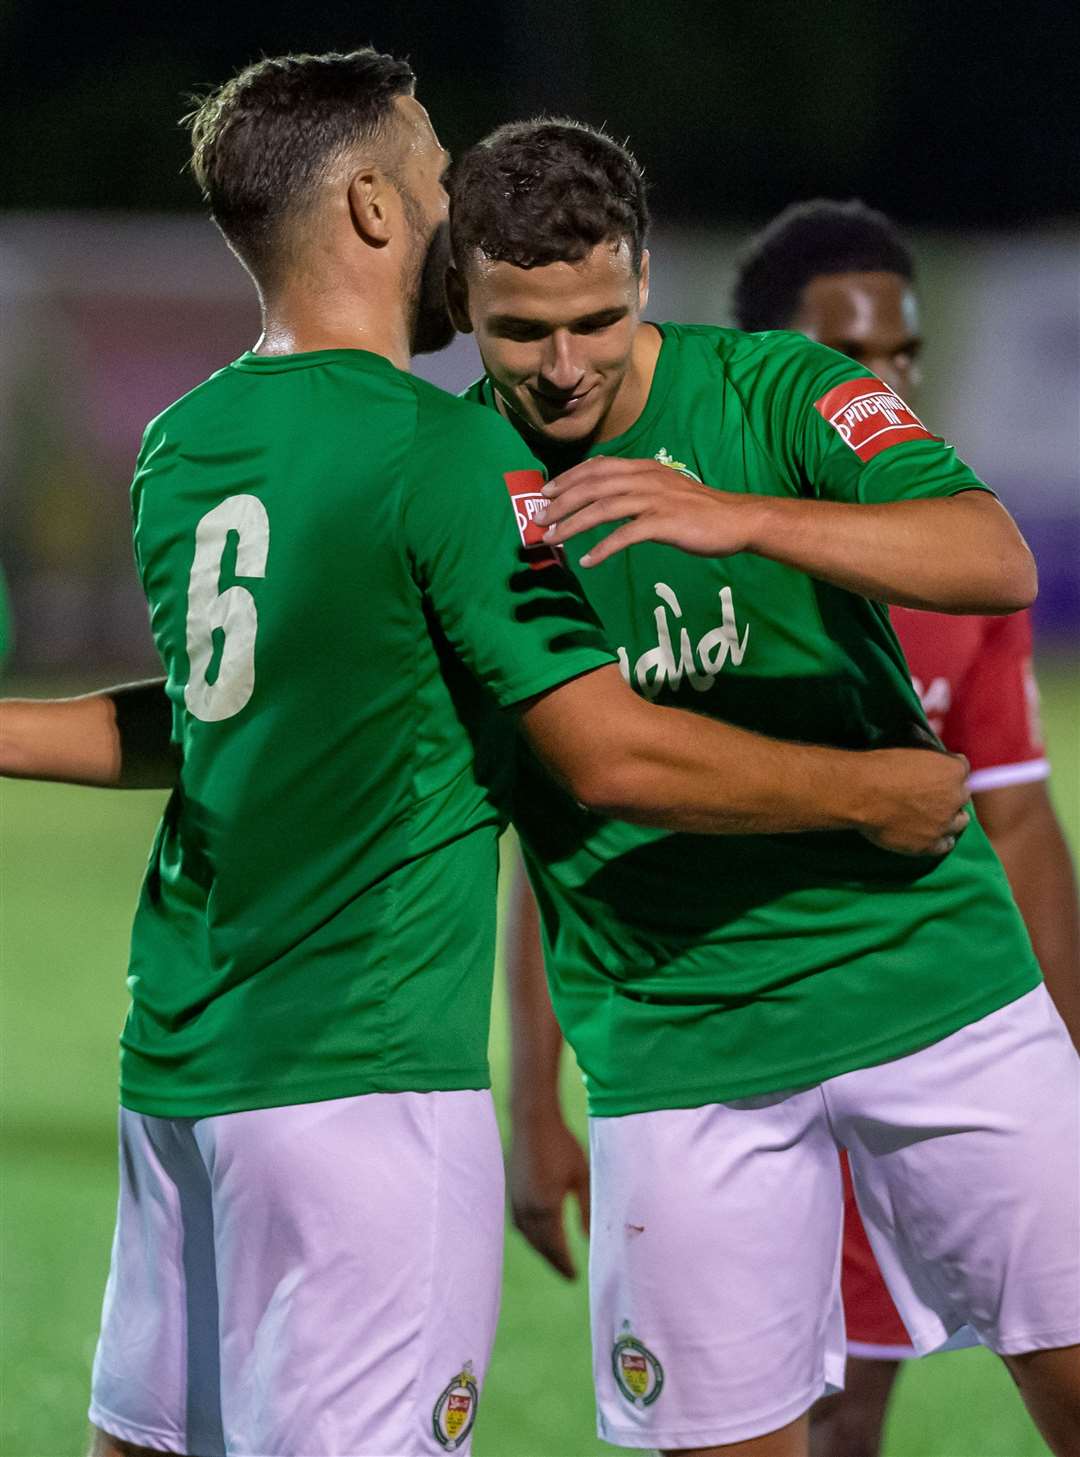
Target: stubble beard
(430, 326)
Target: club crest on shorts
(638, 1374)
(455, 1411)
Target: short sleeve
(846, 436)
(994, 716)
(511, 611)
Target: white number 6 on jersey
(233, 611)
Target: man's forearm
(118, 738)
(678, 770)
(960, 554)
(1024, 830)
(535, 1039)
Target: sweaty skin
(574, 363)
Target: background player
(647, 937)
(312, 951)
(839, 273)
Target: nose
(561, 369)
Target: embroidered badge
(455, 1411)
(869, 417)
(666, 458)
(638, 1374)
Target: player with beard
(839, 273)
(309, 1230)
(737, 507)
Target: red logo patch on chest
(526, 489)
(870, 417)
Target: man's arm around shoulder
(632, 760)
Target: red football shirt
(974, 677)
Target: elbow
(1019, 580)
(1030, 579)
(987, 548)
(605, 786)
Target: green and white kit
(692, 969)
(342, 609)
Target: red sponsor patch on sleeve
(869, 416)
(526, 489)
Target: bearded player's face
(426, 207)
(556, 340)
(871, 317)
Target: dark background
(945, 114)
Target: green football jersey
(333, 557)
(689, 969)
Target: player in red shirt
(839, 273)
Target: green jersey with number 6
(690, 969)
(332, 552)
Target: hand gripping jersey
(975, 680)
(694, 969)
(340, 596)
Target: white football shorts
(316, 1279)
(716, 1231)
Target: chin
(567, 429)
(569, 432)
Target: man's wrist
(763, 523)
(849, 786)
(533, 1109)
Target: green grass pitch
(70, 862)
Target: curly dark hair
(803, 242)
(546, 191)
(261, 141)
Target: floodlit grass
(70, 863)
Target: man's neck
(299, 321)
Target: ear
(457, 300)
(371, 202)
(643, 281)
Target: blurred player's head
(294, 147)
(548, 223)
(839, 273)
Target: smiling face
(871, 317)
(557, 340)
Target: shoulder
(790, 360)
(205, 398)
(465, 435)
(777, 361)
(473, 422)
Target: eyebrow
(600, 317)
(911, 345)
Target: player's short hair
(546, 191)
(263, 140)
(804, 242)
